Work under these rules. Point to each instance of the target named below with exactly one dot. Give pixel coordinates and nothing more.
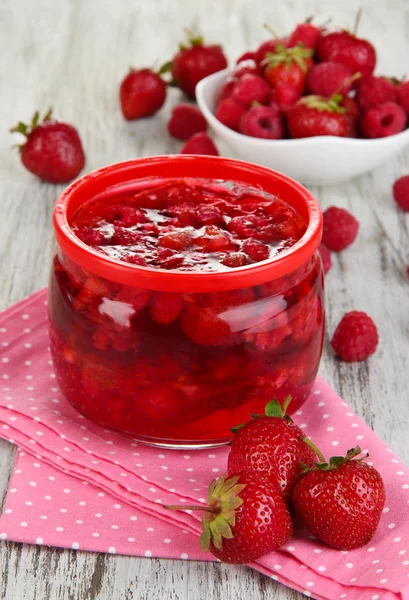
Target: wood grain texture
(72, 54)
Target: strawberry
(344, 47)
(272, 446)
(305, 34)
(52, 150)
(268, 47)
(244, 518)
(340, 501)
(329, 78)
(315, 115)
(142, 93)
(288, 66)
(194, 62)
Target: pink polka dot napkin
(77, 485)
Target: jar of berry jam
(185, 293)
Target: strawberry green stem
(313, 448)
(271, 30)
(286, 404)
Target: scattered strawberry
(229, 112)
(328, 78)
(262, 122)
(288, 66)
(52, 150)
(340, 228)
(185, 121)
(315, 115)
(401, 192)
(403, 95)
(306, 34)
(284, 97)
(272, 446)
(251, 88)
(200, 143)
(344, 47)
(356, 337)
(194, 62)
(375, 90)
(383, 120)
(326, 258)
(340, 502)
(142, 94)
(245, 519)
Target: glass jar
(166, 381)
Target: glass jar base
(170, 444)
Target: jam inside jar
(178, 303)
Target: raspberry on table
(383, 120)
(356, 337)
(200, 143)
(340, 229)
(185, 121)
(401, 192)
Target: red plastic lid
(174, 166)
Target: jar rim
(192, 166)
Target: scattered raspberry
(383, 120)
(209, 215)
(375, 90)
(328, 78)
(229, 112)
(326, 258)
(200, 143)
(251, 88)
(262, 122)
(255, 250)
(403, 95)
(185, 121)
(284, 97)
(89, 236)
(340, 228)
(401, 192)
(234, 259)
(356, 337)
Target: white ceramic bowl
(315, 161)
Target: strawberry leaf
(273, 409)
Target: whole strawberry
(244, 519)
(327, 78)
(305, 34)
(344, 47)
(194, 62)
(52, 150)
(316, 115)
(142, 93)
(288, 66)
(272, 446)
(340, 502)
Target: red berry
(247, 519)
(246, 56)
(52, 150)
(200, 143)
(383, 120)
(208, 214)
(90, 236)
(352, 114)
(226, 90)
(284, 96)
(185, 214)
(316, 115)
(191, 64)
(272, 446)
(142, 94)
(177, 240)
(205, 326)
(252, 226)
(213, 239)
(262, 122)
(326, 258)
(229, 112)
(234, 259)
(251, 88)
(345, 48)
(375, 90)
(328, 78)
(248, 67)
(356, 337)
(400, 192)
(185, 121)
(340, 228)
(124, 237)
(256, 251)
(403, 95)
(341, 501)
(167, 258)
(268, 47)
(166, 307)
(124, 216)
(289, 66)
(306, 34)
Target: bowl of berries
(186, 291)
(309, 106)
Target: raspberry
(185, 214)
(124, 237)
(149, 229)
(166, 307)
(329, 78)
(200, 143)
(169, 259)
(403, 95)
(90, 236)
(185, 121)
(255, 250)
(340, 228)
(134, 259)
(356, 337)
(251, 88)
(234, 259)
(229, 112)
(124, 216)
(375, 90)
(213, 240)
(383, 120)
(226, 90)
(252, 226)
(262, 122)
(284, 96)
(209, 215)
(326, 258)
(401, 192)
(177, 240)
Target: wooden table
(72, 55)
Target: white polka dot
(161, 456)
(211, 455)
(28, 503)
(63, 510)
(386, 509)
(405, 486)
(39, 541)
(164, 467)
(402, 552)
(307, 593)
(322, 568)
(277, 567)
(397, 539)
(395, 461)
(152, 489)
(335, 443)
(354, 425)
(117, 506)
(82, 503)
(378, 571)
(75, 545)
(148, 553)
(133, 518)
(23, 524)
(371, 549)
(167, 541)
(59, 528)
(111, 550)
(184, 556)
(79, 522)
(101, 494)
(343, 595)
(330, 429)
(349, 565)
(67, 491)
(114, 527)
(400, 473)
(215, 470)
(33, 483)
(289, 548)
(325, 416)
(391, 526)
(3, 536)
(383, 581)
(317, 550)
(8, 511)
(310, 583)
(375, 597)
(375, 562)
(5, 359)
(131, 539)
(405, 563)
(150, 529)
(95, 534)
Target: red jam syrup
(182, 368)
